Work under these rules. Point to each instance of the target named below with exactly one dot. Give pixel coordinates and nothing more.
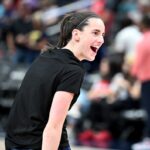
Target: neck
(74, 50)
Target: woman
(51, 86)
(140, 70)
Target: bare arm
(58, 112)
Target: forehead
(96, 23)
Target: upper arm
(59, 108)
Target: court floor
(73, 147)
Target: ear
(75, 34)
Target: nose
(101, 39)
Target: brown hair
(76, 20)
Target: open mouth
(94, 49)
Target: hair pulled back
(70, 21)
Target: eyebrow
(97, 30)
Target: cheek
(85, 44)
(87, 39)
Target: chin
(91, 59)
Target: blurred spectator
(126, 39)
(124, 98)
(125, 7)
(97, 96)
(108, 100)
(141, 68)
(97, 91)
(7, 14)
(49, 12)
(100, 89)
(98, 113)
(34, 4)
(123, 86)
(18, 36)
(143, 6)
(37, 38)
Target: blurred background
(112, 111)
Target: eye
(96, 33)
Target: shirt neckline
(68, 51)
